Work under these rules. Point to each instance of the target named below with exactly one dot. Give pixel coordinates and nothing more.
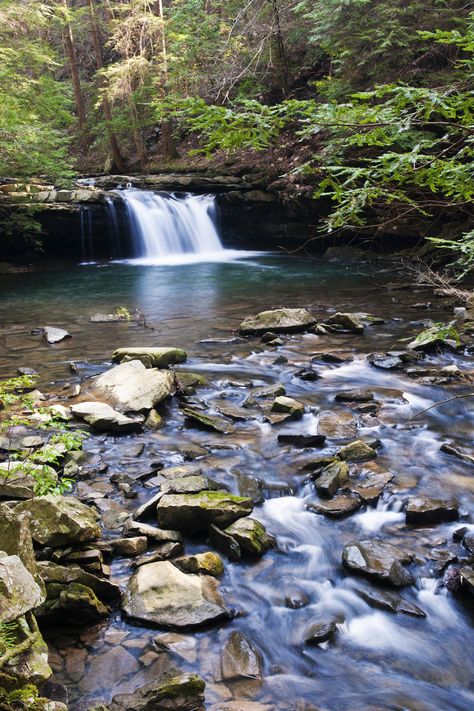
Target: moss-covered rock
(208, 563)
(151, 357)
(58, 520)
(278, 321)
(175, 691)
(74, 605)
(196, 512)
(250, 535)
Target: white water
(174, 230)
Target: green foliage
(438, 332)
(124, 313)
(41, 464)
(8, 631)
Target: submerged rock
(19, 592)
(104, 418)
(337, 425)
(392, 602)
(59, 520)
(131, 387)
(151, 357)
(378, 560)
(159, 593)
(207, 422)
(278, 321)
(356, 395)
(196, 512)
(425, 510)
(241, 658)
(173, 691)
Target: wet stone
(250, 535)
(357, 451)
(207, 422)
(356, 395)
(208, 563)
(288, 406)
(337, 425)
(389, 601)
(337, 507)
(302, 440)
(157, 535)
(425, 510)
(319, 632)
(173, 691)
(378, 560)
(385, 361)
(278, 321)
(225, 543)
(196, 512)
(332, 478)
(241, 658)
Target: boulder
(250, 535)
(159, 593)
(288, 406)
(19, 592)
(332, 478)
(74, 605)
(208, 563)
(241, 658)
(151, 357)
(378, 560)
(189, 485)
(278, 321)
(104, 418)
(131, 387)
(129, 547)
(425, 510)
(59, 520)
(196, 512)
(173, 691)
(15, 539)
(52, 573)
(345, 322)
(357, 451)
(225, 543)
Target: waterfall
(113, 225)
(167, 229)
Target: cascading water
(171, 229)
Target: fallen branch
(441, 402)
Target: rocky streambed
(276, 520)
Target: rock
(225, 543)
(104, 418)
(308, 375)
(468, 542)
(158, 535)
(154, 420)
(159, 593)
(385, 361)
(424, 510)
(74, 605)
(278, 321)
(250, 535)
(54, 335)
(109, 668)
(356, 395)
(370, 483)
(319, 632)
(130, 387)
(241, 658)
(15, 539)
(339, 506)
(378, 560)
(129, 547)
(19, 592)
(302, 440)
(165, 551)
(431, 339)
(337, 425)
(207, 422)
(357, 451)
(345, 322)
(466, 575)
(332, 478)
(26, 371)
(52, 573)
(187, 382)
(151, 357)
(249, 486)
(392, 602)
(208, 563)
(268, 391)
(288, 405)
(107, 318)
(189, 485)
(59, 520)
(449, 449)
(173, 691)
(196, 512)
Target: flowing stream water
(377, 659)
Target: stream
(377, 659)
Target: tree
(73, 65)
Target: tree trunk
(137, 136)
(280, 49)
(170, 150)
(118, 160)
(74, 69)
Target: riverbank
(268, 423)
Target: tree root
(24, 646)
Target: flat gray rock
(160, 594)
(151, 357)
(19, 592)
(131, 387)
(378, 560)
(104, 418)
(278, 321)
